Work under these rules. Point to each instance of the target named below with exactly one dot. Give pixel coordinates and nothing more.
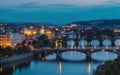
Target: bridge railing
(111, 48)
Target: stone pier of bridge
(118, 54)
(58, 56)
(88, 56)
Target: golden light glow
(48, 32)
(34, 32)
(60, 67)
(56, 44)
(14, 67)
(5, 40)
(1, 69)
(29, 32)
(42, 31)
(89, 67)
(60, 45)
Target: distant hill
(100, 23)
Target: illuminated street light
(56, 29)
(29, 33)
(34, 32)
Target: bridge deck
(79, 49)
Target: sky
(46, 2)
(58, 11)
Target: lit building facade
(11, 39)
(42, 30)
(50, 34)
(117, 30)
(16, 38)
(5, 40)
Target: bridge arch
(95, 43)
(107, 42)
(73, 56)
(104, 56)
(70, 43)
(117, 42)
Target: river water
(73, 64)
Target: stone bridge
(86, 51)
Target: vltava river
(73, 63)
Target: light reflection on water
(104, 56)
(37, 67)
(0, 69)
(59, 68)
(89, 68)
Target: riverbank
(16, 58)
(109, 68)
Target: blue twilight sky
(58, 11)
(46, 2)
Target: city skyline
(60, 37)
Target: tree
(41, 41)
(9, 51)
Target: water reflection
(37, 67)
(8, 69)
(71, 44)
(89, 68)
(14, 67)
(117, 42)
(59, 68)
(104, 56)
(0, 69)
(73, 56)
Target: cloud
(47, 2)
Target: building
(11, 39)
(50, 33)
(16, 38)
(42, 30)
(5, 40)
(117, 30)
